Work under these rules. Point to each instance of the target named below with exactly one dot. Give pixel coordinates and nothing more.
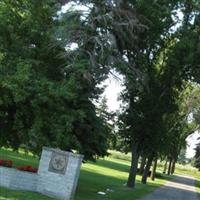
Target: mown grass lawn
(109, 173)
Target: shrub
(28, 168)
(6, 163)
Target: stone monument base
(57, 175)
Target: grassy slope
(106, 173)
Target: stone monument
(57, 175)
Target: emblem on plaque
(58, 163)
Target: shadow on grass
(165, 176)
(125, 168)
(113, 165)
(7, 194)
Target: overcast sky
(192, 141)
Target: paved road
(181, 188)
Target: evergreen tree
(46, 98)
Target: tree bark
(165, 168)
(142, 165)
(134, 165)
(173, 166)
(170, 165)
(147, 168)
(153, 173)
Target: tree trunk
(165, 168)
(173, 166)
(170, 165)
(153, 173)
(142, 165)
(147, 168)
(133, 168)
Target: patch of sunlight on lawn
(4, 198)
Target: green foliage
(153, 113)
(26, 70)
(197, 157)
(46, 99)
(48, 89)
(182, 157)
(193, 104)
(150, 92)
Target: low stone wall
(49, 183)
(19, 180)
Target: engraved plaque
(58, 163)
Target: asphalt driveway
(180, 188)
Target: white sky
(112, 91)
(192, 141)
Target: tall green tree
(46, 99)
(149, 92)
(152, 94)
(98, 33)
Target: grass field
(109, 173)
